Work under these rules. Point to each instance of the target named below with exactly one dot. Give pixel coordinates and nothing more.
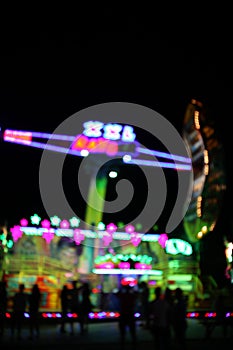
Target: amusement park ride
(54, 251)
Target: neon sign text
(111, 131)
(95, 145)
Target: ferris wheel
(207, 154)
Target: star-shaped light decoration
(64, 224)
(74, 222)
(78, 236)
(107, 238)
(111, 228)
(135, 239)
(101, 226)
(16, 233)
(129, 228)
(163, 240)
(55, 220)
(23, 222)
(45, 223)
(48, 235)
(35, 219)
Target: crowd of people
(73, 300)
(76, 300)
(164, 315)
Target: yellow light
(196, 120)
(204, 229)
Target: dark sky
(46, 77)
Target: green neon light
(176, 246)
(35, 219)
(145, 259)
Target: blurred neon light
(173, 246)
(127, 272)
(141, 266)
(23, 222)
(16, 135)
(164, 155)
(93, 145)
(124, 265)
(181, 277)
(112, 314)
(111, 131)
(155, 163)
(81, 145)
(145, 259)
(178, 246)
(106, 265)
(37, 231)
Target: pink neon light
(95, 145)
(106, 265)
(111, 228)
(107, 238)
(78, 236)
(64, 224)
(142, 266)
(129, 228)
(45, 223)
(16, 233)
(163, 239)
(124, 265)
(48, 236)
(23, 222)
(135, 239)
(24, 137)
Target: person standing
(20, 301)
(64, 296)
(161, 317)
(127, 301)
(179, 319)
(85, 307)
(34, 304)
(144, 303)
(74, 303)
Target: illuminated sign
(110, 131)
(102, 145)
(95, 145)
(108, 138)
(176, 246)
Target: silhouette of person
(3, 306)
(161, 313)
(64, 306)
(74, 302)
(144, 303)
(179, 319)
(34, 304)
(85, 306)
(20, 301)
(127, 302)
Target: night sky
(46, 77)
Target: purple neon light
(78, 153)
(164, 155)
(54, 148)
(159, 164)
(43, 135)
